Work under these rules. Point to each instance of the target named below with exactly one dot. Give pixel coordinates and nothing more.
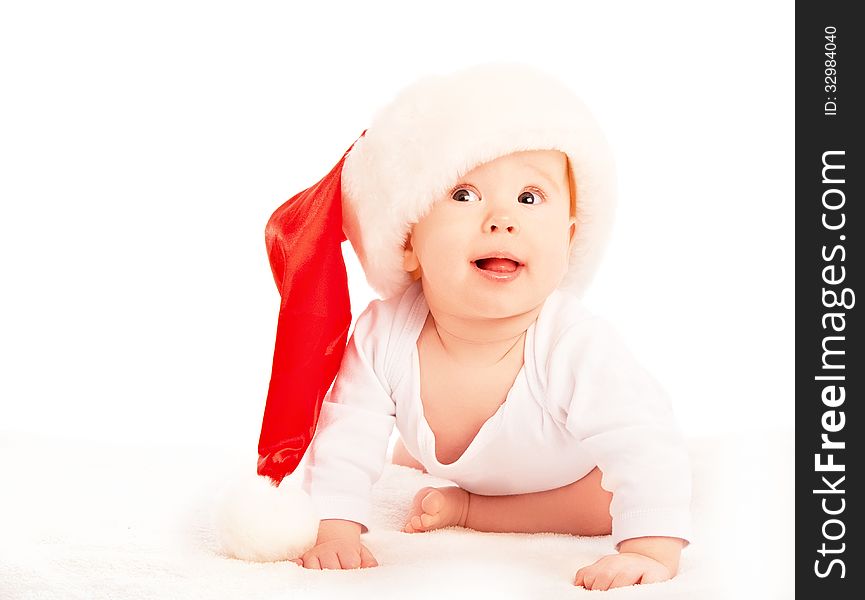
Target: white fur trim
(441, 127)
(256, 521)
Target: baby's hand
(617, 570)
(337, 547)
(337, 554)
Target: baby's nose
(501, 223)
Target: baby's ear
(409, 258)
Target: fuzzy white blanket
(88, 521)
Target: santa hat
(416, 147)
(303, 239)
(441, 127)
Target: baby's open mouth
(500, 265)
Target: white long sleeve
(623, 419)
(348, 451)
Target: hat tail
(303, 238)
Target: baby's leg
(402, 457)
(580, 508)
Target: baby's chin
(479, 303)
(506, 309)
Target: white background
(144, 148)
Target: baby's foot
(433, 508)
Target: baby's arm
(348, 451)
(640, 560)
(624, 420)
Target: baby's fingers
(597, 577)
(366, 558)
(320, 560)
(349, 559)
(653, 577)
(626, 577)
(602, 579)
(329, 560)
(585, 577)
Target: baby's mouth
(499, 265)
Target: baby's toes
(417, 501)
(432, 503)
(413, 524)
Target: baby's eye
(530, 198)
(460, 195)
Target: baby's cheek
(449, 256)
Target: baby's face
(517, 205)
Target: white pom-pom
(259, 522)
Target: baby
(496, 376)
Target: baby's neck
(480, 342)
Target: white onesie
(580, 400)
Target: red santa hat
(416, 147)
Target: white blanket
(91, 521)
